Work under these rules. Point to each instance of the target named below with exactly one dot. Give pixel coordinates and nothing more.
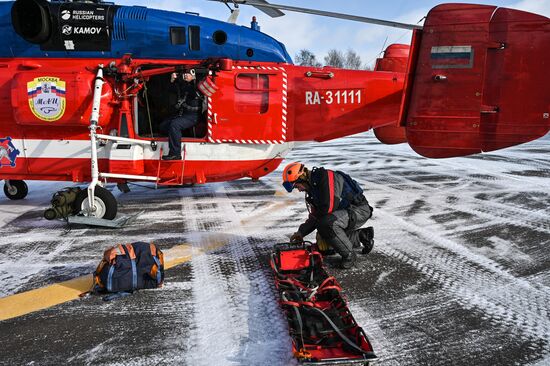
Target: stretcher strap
(339, 332)
(329, 283)
(295, 306)
(298, 318)
(132, 256)
(298, 303)
(110, 278)
(159, 278)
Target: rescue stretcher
(322, 329)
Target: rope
(342, 335)
(148, 109)
(299, 318)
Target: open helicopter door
(250, 106)
(481, 81)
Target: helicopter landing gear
(104, 202)
(15, 189)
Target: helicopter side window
(252, 93)
(177, 35)
(194, 37)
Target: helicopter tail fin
(479, 81)
(395, 59)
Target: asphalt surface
(459, 275)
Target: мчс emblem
(47, 98)
(8, 152)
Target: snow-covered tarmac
(459, 275)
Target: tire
(18, 191)
(104, 201)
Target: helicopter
(85, 85)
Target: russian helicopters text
(84, 86)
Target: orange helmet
(291, 173)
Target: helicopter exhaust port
(31, 20)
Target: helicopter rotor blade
(262, 4)
(271, 11)
(259, 4)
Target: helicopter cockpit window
(194, 37)
(252, 93)
(177, 35)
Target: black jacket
(330, 191)
(323, 196)
(189, 98)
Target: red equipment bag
(322, 328)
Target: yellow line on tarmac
(45, 297)
(42, 298)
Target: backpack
(129, 267)
(352, 193)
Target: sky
(320, 34)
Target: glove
(296, 238)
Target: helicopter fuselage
(263, 106)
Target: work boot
(348, 261)
(366, 237)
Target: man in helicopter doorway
(186, 115)
(337, 209)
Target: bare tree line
(334, 57)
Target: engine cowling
(31, 20)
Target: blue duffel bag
(129, 267)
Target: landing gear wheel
(104, 202)
(17, 189)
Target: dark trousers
(174, 126)
(335, 228)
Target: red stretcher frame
(322, 328)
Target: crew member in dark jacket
(337, 209)
(186, 115)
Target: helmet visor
(289, 186)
